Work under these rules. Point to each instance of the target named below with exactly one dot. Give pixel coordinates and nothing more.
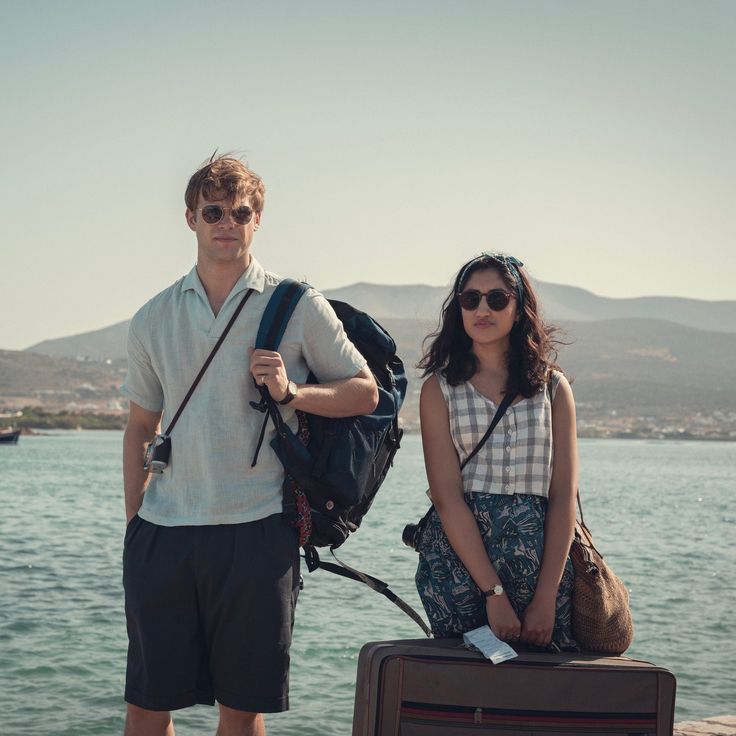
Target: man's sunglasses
(213, 213)
(497, 299)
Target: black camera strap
(207, 362)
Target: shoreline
(83, 422)
(667, 436)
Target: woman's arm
(445, 482)
(539, 617)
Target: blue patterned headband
(512, 264)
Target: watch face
(498, 589)
(291, 389)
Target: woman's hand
(538, 621)
(502, 619)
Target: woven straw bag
(601, 617)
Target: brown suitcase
(423, 687)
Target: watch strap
(291, 389)
(492, 591)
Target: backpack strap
(374, 584)
(278, 311)
(271, 329)
(273, 324)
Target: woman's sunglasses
(497, 299)
(213, 213)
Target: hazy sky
(594, 140)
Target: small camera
(156, 459)
(412, 535)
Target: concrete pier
(713, 726)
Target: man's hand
(268, 370)
(345, 397)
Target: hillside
(107, 343)
(420, 302)
(652, 373)
(643, 349)
(642, 365)
(561, 303)
(59, 383)
(639, 366)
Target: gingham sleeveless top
(517, 458)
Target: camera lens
(409, 535)
(156, 459)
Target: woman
(495, 547)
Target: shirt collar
(254, 277)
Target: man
(210, 566)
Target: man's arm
(347, 397)
(139, 431)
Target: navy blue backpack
(334, 467)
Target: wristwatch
(291, 389)
(495, 590)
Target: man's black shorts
(210, 611)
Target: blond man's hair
(225, 177)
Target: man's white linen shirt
(209, 479)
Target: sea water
(663, 513)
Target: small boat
(9, 436)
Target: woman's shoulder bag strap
(502, 407)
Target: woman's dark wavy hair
(532, 354)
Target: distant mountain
(107, 343)
(636, 367)
(420, 302)
(383, 301)
(571, 303)
(647, 365)
(561, 303)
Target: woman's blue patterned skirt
(512, 528)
